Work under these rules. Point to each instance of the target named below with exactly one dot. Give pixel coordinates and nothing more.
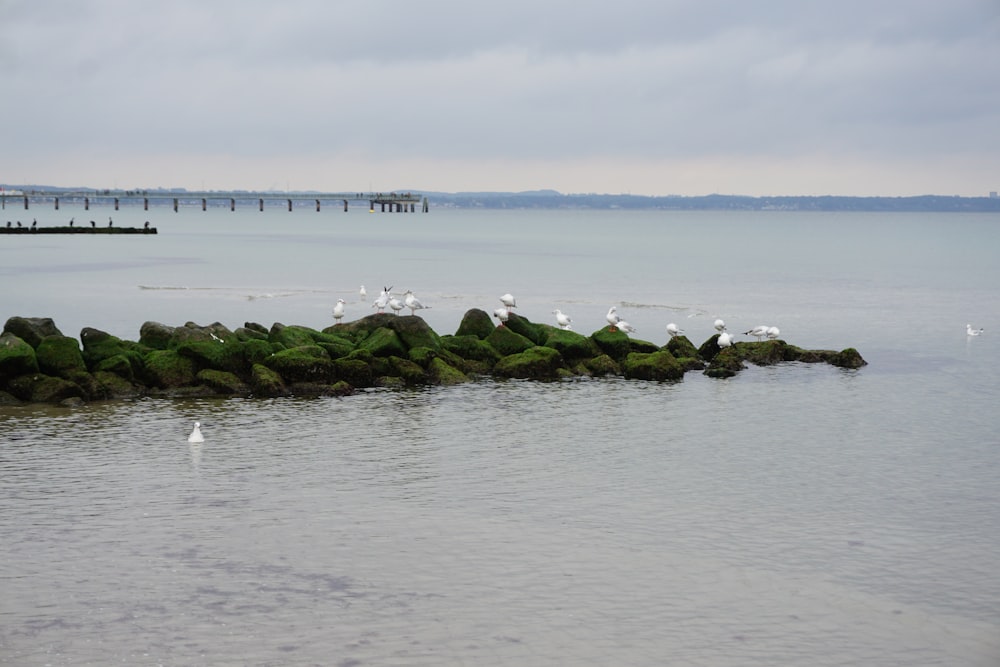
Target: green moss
(506, 341)
(411, 372)
(537, 363)
(17, 357)
(726, 363)
(355, 372)
(306, 363)
(603, 365)
(471, 347)
(222, 382)
(265, 383)
(660, 365)
(384, 342)
(681, 347)
(41, 388)
(571, 345)
(442, 373)
(476, 323)
(167, 369)
(615, 344)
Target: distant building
(993, 194)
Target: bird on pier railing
(109, 221)
(93, 224)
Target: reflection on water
(591, 522)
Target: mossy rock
(603, 365)
(642, 346)
(168, 369)
(32, 330)
(414, 331)
(223, 382)
(536, 363)
(848, 358)
(571, 345)
(710, 348)
(442, 373)
(681, 347)
(764, 353)
(192, 332)
(254, 351)
(536, 333)
(99, 346)
(155, 335)
(506, 341)
(469, 346)
(355, 372)
(361, 355)
(338, 347)
(660, 365)
(422, 356)
(726, 363)
(244, 334)
(306, 363)
(411, 372)
(475, 322)
(313, 389)
(41, 388)
(292, 336)
(265, 383)
(214, 354)
(6, 398)
(384, 342)
(115, 387)
(17, 357)
(616, 344)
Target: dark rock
(384, 342)
(616, 344)
(848, 358)
(59, 356)
(222, 382)
(476, 323)
(442, 373)
(31, 329)
(40, 388)
(506, 341)
(681, 347)
(571, 345)
(537, 363)
(660, 365)
(471, 347)
(99, 347)
(306, 363)
(536, 333)
(266, 383)
(17, 357)
(726, 363)
(355, 372)
(167, 369)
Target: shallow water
(797, 514)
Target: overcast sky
(657, 97)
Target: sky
(648, 97)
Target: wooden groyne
(83, 229)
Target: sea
(797, 514)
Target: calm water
(793, 515)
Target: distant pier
(393, 202)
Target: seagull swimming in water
(413, 303)
(508, 301)
(338, 310)
(972, 332)
(196, 435)
(758, 332)
(613, 318)
(363, 292)
(501, 314)
(673, 330)
(562, 319)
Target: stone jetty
(38, 364)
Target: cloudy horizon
(895, 98)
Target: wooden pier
(393, 202)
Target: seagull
(673, 330)
(773, 332)
(972, 332)
(625, 326)
(383, 300)
(562, 318)
(196, 435)
(396, 305)
(508, 301)
(720, 326)
(413, 303)
(363, 292)
(758, 331)
(501, 314)
(613, 318)
(338, 310)
(725, 340)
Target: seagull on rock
(972, 332)
(508, 301)
(338, 310)
(562, 319)
(501, 314)
(196, 435)
(383, 300)
(720, 326)
(613, 318)
(673, 330)
(758, 332)
(396, 305)
(773, 333)
(626, 327)
(725, 340)
(413, 303)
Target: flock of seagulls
(385, 299)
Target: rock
(536, 333)
(471, 347)
(306, 363)
(440, 372)
(155, 335)
(506, 341)
(265, 383)
(476, 323)
(167, 369)
(60, 356)
(615, 344)
(682, 348)
(17, 357)
(31, 329)
(726, 363)
(222, 382)
(537, 363)
(99, 347)
(848, 358)
(660, 365)
(41, 388)
(571, 345)
(355, 372)
(384, 342)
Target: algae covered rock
(31, 329)
(265, 383)
(660, 365)
(17, 357)
(848, 358)
(536, 363)
(384, 342)
(167, 369)
(306, 363)
(681, 347)
(475, 322)
(616, 344)
(60, 356)
(41, 388)
(155, 335)
(506, 341)
(571, 345)
(726, 363)
(222, 382)
(99, 347)
(471, 347)
(440, 372)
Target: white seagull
(758, 331)
(720, 326)
(501, 314)
(396, 305)
(338, 310)
(673, 330)
(413, 303)
(562, 318)
(508, 301)
(626, 327)
(725, 340)
(363, 292)
(196, 435)
(383, 300)
(773, 332)
(972, 332)
(613, 318)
